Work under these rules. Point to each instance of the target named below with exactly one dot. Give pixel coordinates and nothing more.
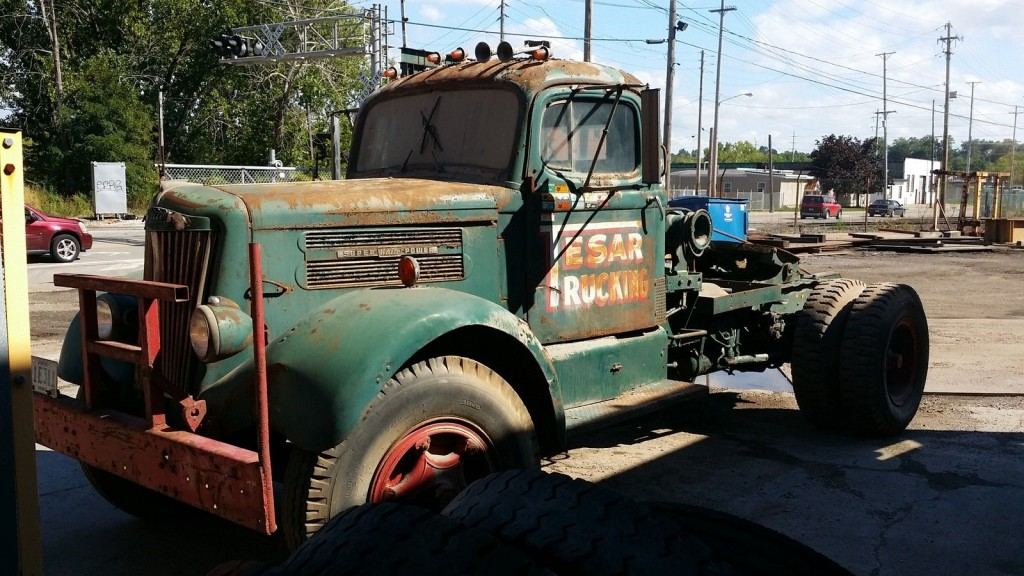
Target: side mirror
(650, 110)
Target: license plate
(44, 376)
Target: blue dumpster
(728, 216)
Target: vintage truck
(499, 267)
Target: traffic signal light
(235, 46)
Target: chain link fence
(756, 200)
(213, 175)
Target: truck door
(598, 266)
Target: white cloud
(431, 13)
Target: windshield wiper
(429, 129)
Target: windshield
(571, 132)
(468, 132)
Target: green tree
(845, 165)
(82, 78)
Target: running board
(643, 400)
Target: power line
(580, 38)
(831, 63)
(835, 86)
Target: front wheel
(64, 248)
(436, 426)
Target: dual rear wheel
(860, 356)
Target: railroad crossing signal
(236, 46)
(309, 39)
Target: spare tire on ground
(394, 539)
(575, 527)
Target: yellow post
(18, 494)
(996, 193)
(977, 197)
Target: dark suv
(818, 206)
(886, 208)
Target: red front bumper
(223, 479)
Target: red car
(62, 238)
(818, 206)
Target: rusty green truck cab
(551, 281)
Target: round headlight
(200, 332)
(219, 329)
(106, 311)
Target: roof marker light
(483, 52)
(457, 55)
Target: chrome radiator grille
(345, 258)
(178, 257)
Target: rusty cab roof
(528, 76)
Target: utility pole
(792, 154)
(885, 149)
(700, 119)
(941, 204)
(501, 17)
(878, 114)
(713, 185)
(403, 23)
(1013, 144)
(771, 177)
(374, 54)
(163, 150)
(970, 129)
(885, 123)
(588, 14)
(670, 76)
(931, 166)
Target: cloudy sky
(810, 64)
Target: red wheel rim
(901, 369)
(432, 463)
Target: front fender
(70, 365)
(324, 372)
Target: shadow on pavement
(927, 502)
(84, 535)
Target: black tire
(65, 248)
(574, 527)
(816, 344)
(319, 486)
(392, 539)
(884, 359)
(740, 547)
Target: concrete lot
(946, 498)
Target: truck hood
(364, 202)
(338, 203)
